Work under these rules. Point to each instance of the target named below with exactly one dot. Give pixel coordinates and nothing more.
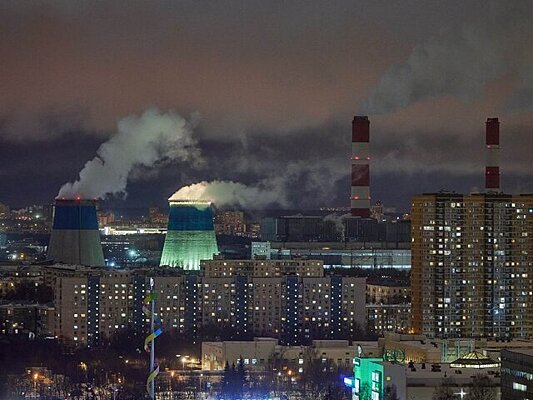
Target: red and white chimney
(492, 168)
(360, 195)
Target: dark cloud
(276, 84)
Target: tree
(481, 389)
(26, 290)
(391, 393)
(365, 393)
(444, 391)
(227, 390)
(240, 379)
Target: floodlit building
(373, 376)
(190, 236)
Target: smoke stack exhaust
(492, 168)
(360, 194)
(75, 238)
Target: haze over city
(266, 199)
(269, 89)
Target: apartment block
(289, 300)
(472, 265)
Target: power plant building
(75, 238)
(190, 236)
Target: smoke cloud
(338, 222)
(228, 193)
(461, 61)
(141, 142)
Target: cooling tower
(75, 238)
(190, 235)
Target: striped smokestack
(492, 168)
(75, 238)
(360, 195)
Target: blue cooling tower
(75, 238)
(190, 236)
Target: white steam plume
(228, 193)
(461, 61)
(146, 141)
(338, 221)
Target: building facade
(373, 377)
(288, 300)
(266, 353)
(517, 374)
(472, 265)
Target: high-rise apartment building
(290, 300)
(472, 265)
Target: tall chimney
(492, 168)
(75, 238)
(360, 194)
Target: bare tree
(391, 393)
(482, 389)
(444, 391)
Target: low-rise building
(517, 374)
(373, 377)
(267, 353)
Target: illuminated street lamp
(183, 359)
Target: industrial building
(341, 255)
(334, 228)
(190, 235)
(75, 238)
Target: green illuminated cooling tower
(190, 235)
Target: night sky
(272, 87)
